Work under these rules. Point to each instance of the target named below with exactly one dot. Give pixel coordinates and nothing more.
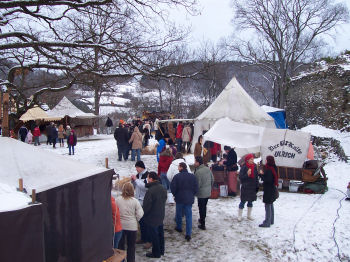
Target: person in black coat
(270, 183)
(121, 135)
(248, 176)
(23, 131)
(48, 131)
(154, 212)
(231, 162)
(184, 187)
(54, 135)
(109, 125)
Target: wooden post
(33, 196)
(20, 184)
(106, 161)
(5, 120)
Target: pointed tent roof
(66, 108)
(36, 113)
(235, 103)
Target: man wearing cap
(121, 135)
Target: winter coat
(171, 131)
(249, 186)
(68, 130)
(29, 137)
(184, 187)
(60, 131)
(165, 160)
(48, 130)
(54, 133)
(136, 139)
(122, 136)
(130, 212)
(116, 216)
(231, 162)
(109, 122)
(161, 145)
(154, 204)
(140, 186)
(36, 132)
(179, 131)
(205, 181)
(186, 134)
(174, 168)
(268, 187)
(197, 150)
(72, 139)
(23, 131)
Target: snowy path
(303, 229)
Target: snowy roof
(270, 109)
(40, 169)
(36, 113)
(235, 103)
(66, 108)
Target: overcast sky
(214, 22)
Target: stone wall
(320, 97)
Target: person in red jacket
(36, 135)
(178, 136)
(215, 151)
(118, 231)
(165, 160)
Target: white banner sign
(288, 147)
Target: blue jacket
(160, 147)
(184, 187)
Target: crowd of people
(143, 200)
(55, 133)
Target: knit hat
(140, 164)
(247, 157)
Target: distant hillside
(321, 95)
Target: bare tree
(32, 30)
(285, 34)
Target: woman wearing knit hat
(248, 176)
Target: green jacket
(205, 181)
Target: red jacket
(164, 164)
(116, 216)
(179, 131)
(215, 149)
(36, 131)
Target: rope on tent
(335, 221)
(296, 224)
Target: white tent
(235, 104)
(289, 147)
(66, 108)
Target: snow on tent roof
(40, 170)
(235, 103)
(36, 113)
(66, 108)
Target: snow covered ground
(307, 227)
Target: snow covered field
(307, 227)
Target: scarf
(250, 166)
(273, 170)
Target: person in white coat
(130, 213)
(173, 169)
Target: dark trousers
(123, 152)
(202, 206)
(144, 231)
(128, 237)
(157, 235)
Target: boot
(249, 213)
(201, 224)
(240, 211)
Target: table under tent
(72, 218)
(289, 148)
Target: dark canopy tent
(75, 212)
